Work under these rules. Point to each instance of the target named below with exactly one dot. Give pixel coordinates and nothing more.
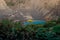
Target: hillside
(34, 9)
(4, 10)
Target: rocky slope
(34, 9)
(4, 10)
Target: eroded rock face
(3, 5)
(4, 10)
(33, 9)
(39, 9)
(42, 9)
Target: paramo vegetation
(10, 30)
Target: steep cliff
(35, 9)
(4, 9)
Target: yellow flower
(30, 20)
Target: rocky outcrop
(4, 10)
(39, 9)
(32, 9)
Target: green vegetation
(15, 2)
(14, 30)
(10, 3)
(22, 1)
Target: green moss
(10, 4)
(56, 28)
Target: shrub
(14, 30)
(17, 25)
(58, 21)
(33, 27)
(56, 28)
(50, 24)
(6, 22)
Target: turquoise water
(35, 22)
